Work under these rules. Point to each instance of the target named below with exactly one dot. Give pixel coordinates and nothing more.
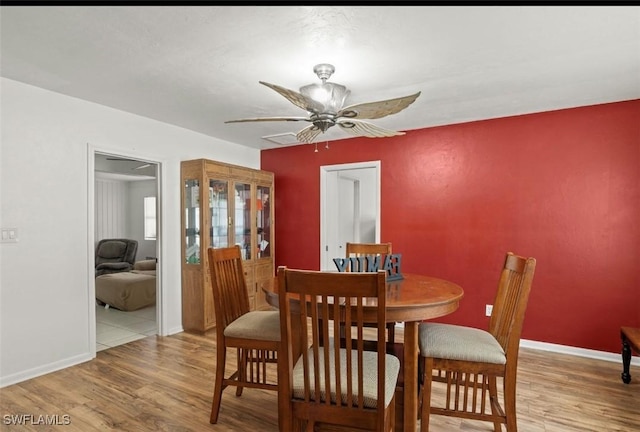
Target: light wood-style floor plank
(166, 384)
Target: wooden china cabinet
(224, 205)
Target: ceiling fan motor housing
(323, 121)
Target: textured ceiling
(197, 66)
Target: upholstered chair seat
(454, 342)
(262, 325)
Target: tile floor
(115, 327)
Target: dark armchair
(115, 255)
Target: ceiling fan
(324, 103)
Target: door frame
(325, 192)
(92, 150)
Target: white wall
(46, 141)
(111, 204)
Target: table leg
(410, 376)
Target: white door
(342, 213)
(349, 208)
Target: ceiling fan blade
(363, 128)
(308, 134)
(298, 99)
(379, 109)
(268, 119)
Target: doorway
(349, 208)
(126, 204)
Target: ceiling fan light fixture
(331, 95)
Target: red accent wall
(561, 186)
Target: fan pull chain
(326, 145)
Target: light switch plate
(9, 235)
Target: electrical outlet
(488, 309)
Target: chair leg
(392, 414)
(494, 402)
(285, 417)
(426, 393)
(221, 357)
(510, 404)
(391, 330)
(242, 370)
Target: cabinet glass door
(263, 216)
(218, 211)
(192, 221)
(242, 220)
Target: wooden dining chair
(327, 384)
(254, 334)
(372, 249)
(469, 360)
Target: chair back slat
(333, 366)
(336, 358)
(511, 300)
(230, 296)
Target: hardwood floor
(166, 384)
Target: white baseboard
(56, 366)
(174, 330)
(44, 369)
(580, 352)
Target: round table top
(413, 298)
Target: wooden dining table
(410, 300)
